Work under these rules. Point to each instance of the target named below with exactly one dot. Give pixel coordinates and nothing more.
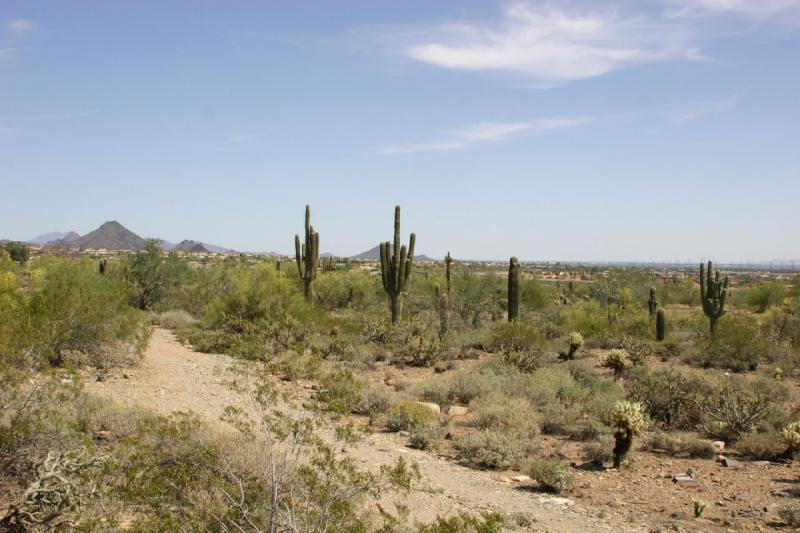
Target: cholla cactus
(575, 342)
(791, 437)
(628, 421)
(618, 361)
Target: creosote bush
(551, 476)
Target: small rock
(682, 479)
(100, 377)
(520, 478)
(556, 500)
(389, 381)
(761, 463)
(102, 435)
(125, 375)
(731, 463)
(439, 367)
(781, 494)
(718, 444)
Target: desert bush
(670, 396)
(737, 345)
(534, 294)
(474, 297)
(782, 324)
(761, 446)
(374, 401)
(425, 436)
(528, 360)
(465, 523)
(734, 409)
(599, 451)
(586, 317)
(514, 336)
(17, 251)
(75, 313)
(500, 412)
(492, 449)
(176, 319)
(765, 295)
(407, 416)
(638, 351)
(680, 445)
(343, 290)
(341, 391)
(415, 341)
(551, 476)
(618, 361)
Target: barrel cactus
(628, 421)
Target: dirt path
(175, 378)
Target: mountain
(190, 246)
(374, 254)
(112, 236)
(55, 236)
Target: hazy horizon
(576, 131)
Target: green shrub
(465, 523)
(341, 391)
(765, 295)
(550, 475)
(514, 336)
(425, 436)
(790, 514)
(374, 401)
(680, 445)
(500, 412)
(670, 396)
(761, 446)
(407, 416)
(492, 449)
(735, 409)
(176, 319)
(737, 345)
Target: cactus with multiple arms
(713, 293)
(396, 264)
(513, 289)
(307, 257)
(652, 303)
(661, 322)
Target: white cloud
(483, 132)
(20, 26)
(746, 7)
(552, 45)
(235, 143)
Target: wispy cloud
(758, 8)
(698, 110)
(553, 45)
(20, 26)
(235, 143)
(483, 132)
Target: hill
(56, 236)
(190, 247)
(374, 254)
(112, 236)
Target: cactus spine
(652, 303)
(661, 324)
(444, 307)
(513, 289)
(447, 262)
(307, 257)
(713, 294)
(396, 264)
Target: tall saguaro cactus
(444, 308)
(713, 294)
(513, 289)
(396, 264)
(447, 262)
(661, 323)
(307, 257)
(652, 303)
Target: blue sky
(581, 130)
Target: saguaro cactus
(444, 308)
(447, 262)
(652, 303)
(103, 266)
(307, 257)
(661, 323)
(513, 289)
(713, 294)
(396, 264)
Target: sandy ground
(174, 378)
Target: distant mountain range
(374, 254)
(114, 236)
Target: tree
(18, 251)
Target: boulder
(432, 407)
